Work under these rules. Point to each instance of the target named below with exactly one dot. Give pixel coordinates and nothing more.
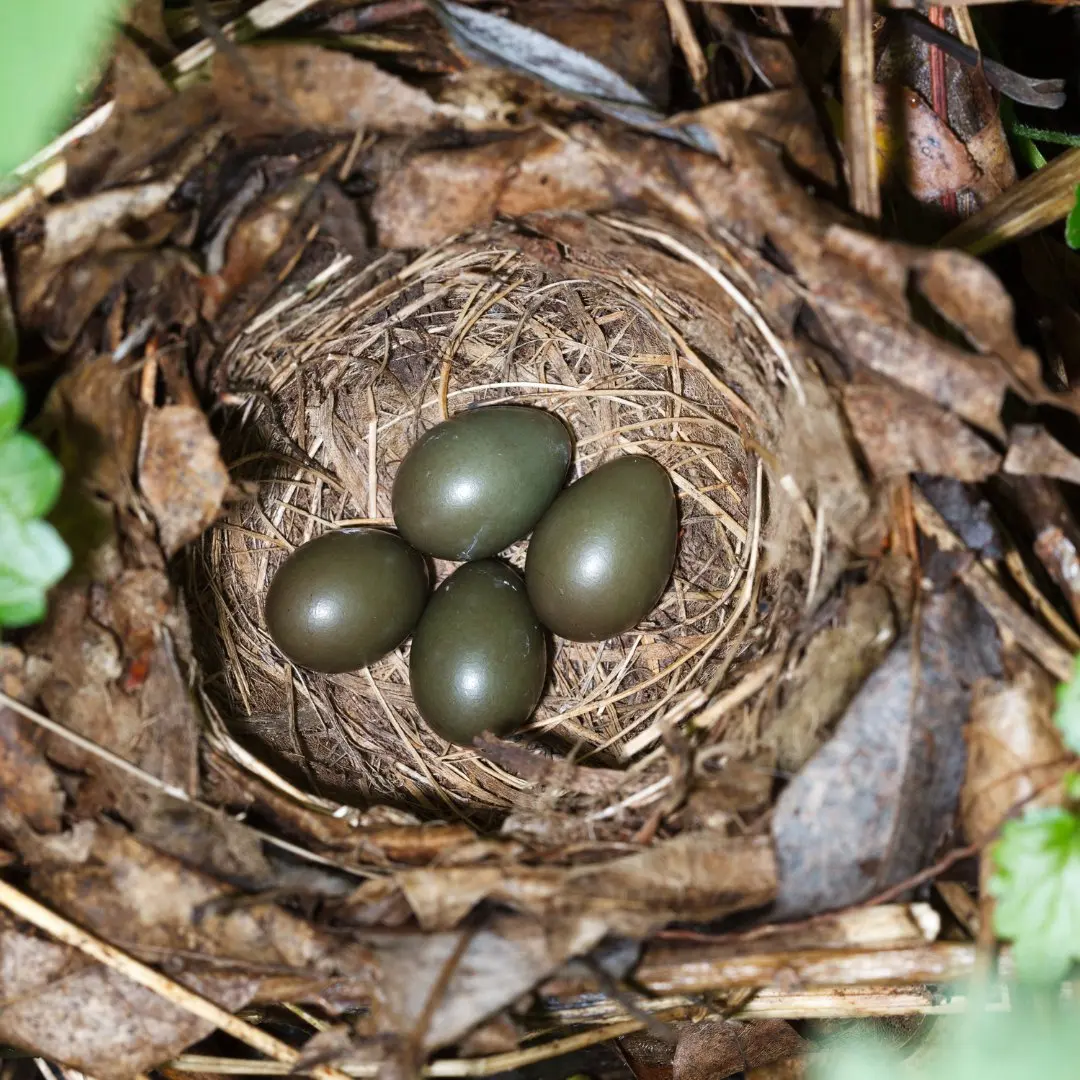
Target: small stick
(24, 907)
(682, 30)
(859, 143)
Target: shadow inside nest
(325, 401)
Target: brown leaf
(501, 962)
(303, 87)
(866, 303)
(60, 1006)
(29, 788)
(871, 806)
(837, 662)
(1015, 753)
(934, 160)
(714, 1049)
(440, 193)
(901, 432)
(631, 37)
(181, 473)
(1033, 451)
(136, 704)
(785, 116)
(967, 293)
(693, 876)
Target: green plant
(46, 47)
(1072, 224)
(1036, 877)
(32, 555)
(1034, 1039)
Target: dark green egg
(479, 657)
(343, 600)
(473, 485)
(601, 556)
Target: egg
(479, 656)
(345, 599)
(473, 485)
(601, 556)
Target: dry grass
(325, 398)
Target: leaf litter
(801, 731)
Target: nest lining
(324, 401)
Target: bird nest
(639, 352)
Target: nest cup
(324, 396)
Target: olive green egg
(601, 556)
(473, 485)
(345, 599)
(479, 656)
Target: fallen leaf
(29, 789)
(712, 1050)
(631, 37)
(181, 473)
(692, 876)
(968, 514)
(836, 663)
(303, 87)
(901, 432)
(785, 116)
(490, 39)
(1015, 753)
(869, 809)
(500, 962)
(912, 137)
(1033, 451)
(60, 1006)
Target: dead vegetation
(261, 270)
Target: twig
(682, 30)
(1039, 200)
(860, 147)
(24, 907)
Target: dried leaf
(901, 432)
(57, 1005)
(969, 515)
(1033, 451)
(303, 87)
(693, 876)
(870, 808)
(498, 42)
(785, 116)
(714, 1049)
(181, 473)
(1015, 753)
(29, 788)
(136, 705)
(934, 160)
(837, 662)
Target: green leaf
(1067, 713)
(30, 477)
(46, 47)
(12, 402)
(1072, 785)
(1032, 1040)
(1072, 223)
(1036, 881)
(32, 559)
